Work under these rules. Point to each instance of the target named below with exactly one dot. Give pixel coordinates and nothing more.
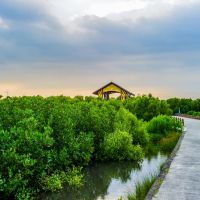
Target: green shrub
(73, 177)
(125, 121)
(25, 157)
(193, 113)
(162, 125)
(140, 135)
(118, 146)
(52, 183)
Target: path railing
(180, 120)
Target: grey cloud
(175, 33)
(43, 38)
(137, 55)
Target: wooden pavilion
(110, 88)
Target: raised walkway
(183, 179)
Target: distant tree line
(184, 105)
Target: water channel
(111, 180)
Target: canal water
(112, 180)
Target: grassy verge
(142, 188)
(168, 143)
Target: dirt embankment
(188, 116)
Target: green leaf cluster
(45, 142)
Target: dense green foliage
(161, 126)
(194, 113)
(184, 105)
(118, 146)
(147, 107)
(46, 141)
(164, 124)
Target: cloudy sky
(73, 47)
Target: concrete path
(183, 180)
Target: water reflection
(109, 181)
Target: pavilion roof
(112, 83)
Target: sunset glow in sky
(73, 47)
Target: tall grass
(142, 188)
(168, 143)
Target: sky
(73, 47)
